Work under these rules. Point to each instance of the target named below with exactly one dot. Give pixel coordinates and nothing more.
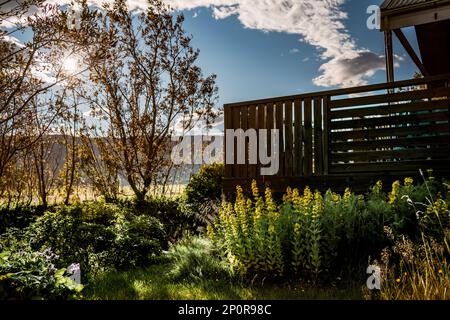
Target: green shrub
(26, 274)
(76, 234)
(195, 259)
(203, 194)
(138, 241)
(167, 210)
(98, 236)
(310, 234)
(18, 216)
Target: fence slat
(388, 110)
(392, 97)
(288, 170)
(390, 132)
(318, 143)
(228, 125)
(298, 140)
(261, 125)
(244, 126)
(252, 124)
(236, 125)
(307, 164)
(390, 120)
(269, 127)
(368, 145)
(279, 119)
(326, 134)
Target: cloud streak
(319, 23)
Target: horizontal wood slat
(389, 166)
(390, 110)
(435, 153)
(390, 120)
(392, 97)
(390, 143)
(389, 132)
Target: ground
(152, 284)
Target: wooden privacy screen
(390, 132)
(401, 126)
(301, 139)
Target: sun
(71, 65)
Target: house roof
(396, 4)
(397, 14)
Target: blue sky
(267, 48)
(253, 64)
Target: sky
(266, 48)
(253, 62)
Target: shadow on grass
(153, 284)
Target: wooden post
(389, 56)
(405, 43)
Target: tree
(146, 80)
(22, 78)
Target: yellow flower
(307, 196)
(296, 228)
(408, 181)
(335, 197)
(210, 231)
(393, 194)
(255, 190)
(347, 194)
(271, 228)
(296, 199)
(379, 184)
(288, 196)
(440, 271)
(398, 280)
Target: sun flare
(71, 65)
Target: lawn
(152, 283)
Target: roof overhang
(414, 14)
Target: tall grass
(421, 270)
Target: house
(353, 137)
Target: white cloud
(13, 40)
(199, 127)
(319, 23)
(294, 51)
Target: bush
(138, 241)
(195, 259)
(18, 216)
(310, 234)
(99, 236)
(203, 194)
(25, 274)
(206, 184)
(167, 210)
